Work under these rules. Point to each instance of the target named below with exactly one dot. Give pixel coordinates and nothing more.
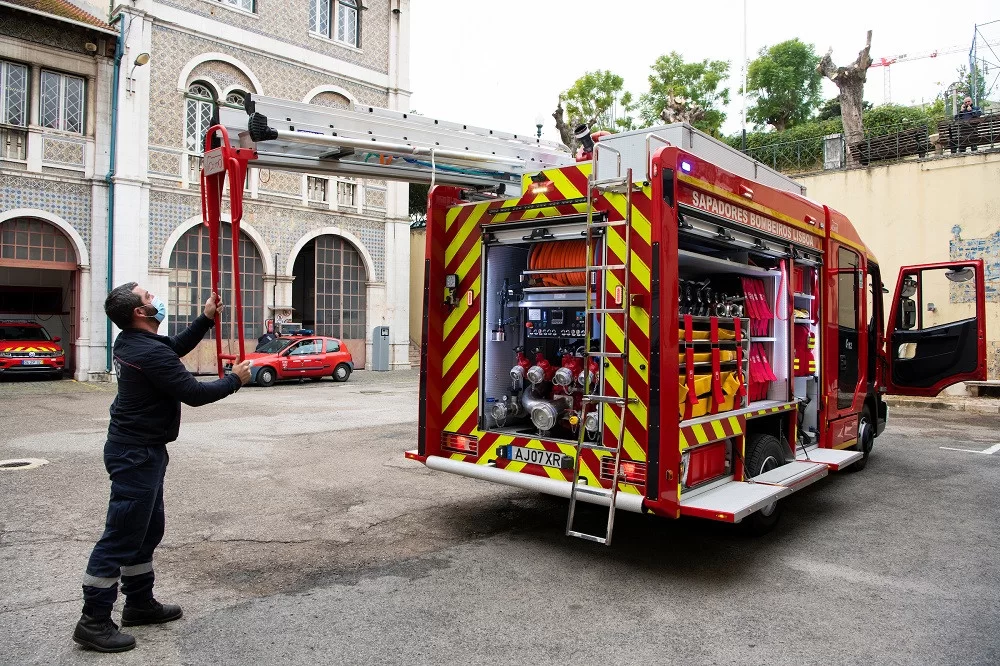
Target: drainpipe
(113, 166)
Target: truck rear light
(464, 444)
(628, 471)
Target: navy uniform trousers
(132, 531)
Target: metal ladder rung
(606, 311)
(612, 184)
(608, 400)
(550, 271)
(587, 537)
(597, 491)
(606, 267)
(605, 225)
(598, 447)
(606, 354)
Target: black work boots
(101, 634)
(150, 612)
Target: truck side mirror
(908, 313)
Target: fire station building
(95, 182)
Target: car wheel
(341, 372)
(266, 377)
(764, 453)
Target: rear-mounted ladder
(370, 142)
(597, 274)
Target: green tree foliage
(697, 82)
(830, 109)
(977, 84)
(418, 201)
(784, 83)
(600, 100)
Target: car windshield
(11, 332)
(274, 346)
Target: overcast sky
(503, 64)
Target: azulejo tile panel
(70, 201)
(280, 226)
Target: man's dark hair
(120, 304)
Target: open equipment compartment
(534, 310)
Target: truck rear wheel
(764, 453)
(866, 439)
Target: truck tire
(341, 372)
(866, 439)
(266, 376)
(764, 453)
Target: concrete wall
(418, 238)
(938, 209)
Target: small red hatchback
(296, 357)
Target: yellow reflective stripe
(638, 408)
(719, 431)
(463, 414)
(734, 425)
(501, 217)
(564, 185)
(455, 315)
(463, 234)
(491, 451)
(532, 214)
(460, 346)
(451, 216)
(460, 382)
(631, 446)
(639, 222)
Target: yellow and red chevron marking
(566, 190)
(772, 410)
(712, 431)
(590, 465)
(29, 349)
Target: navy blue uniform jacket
(152, 384)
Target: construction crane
(907, 57)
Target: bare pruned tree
(851, 82)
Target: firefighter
(145, 416)
(269, 334)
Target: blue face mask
(161, 309)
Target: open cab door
(937, 328)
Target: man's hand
(213, 305)
(242, 370)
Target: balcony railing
(879, 144)
(13, 144)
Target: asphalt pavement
(298, 534)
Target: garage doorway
(329, 292)
(40, 280)
(191, 284)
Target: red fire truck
(664, 326)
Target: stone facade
(289, 22)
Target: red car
(295, 357)
(26, 348)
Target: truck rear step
(732, 502)
(835, 459)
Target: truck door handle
(843, 361)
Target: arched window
(26, 240)
(235, 99)
(191, 280)
(200, 109)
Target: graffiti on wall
(987, 249)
